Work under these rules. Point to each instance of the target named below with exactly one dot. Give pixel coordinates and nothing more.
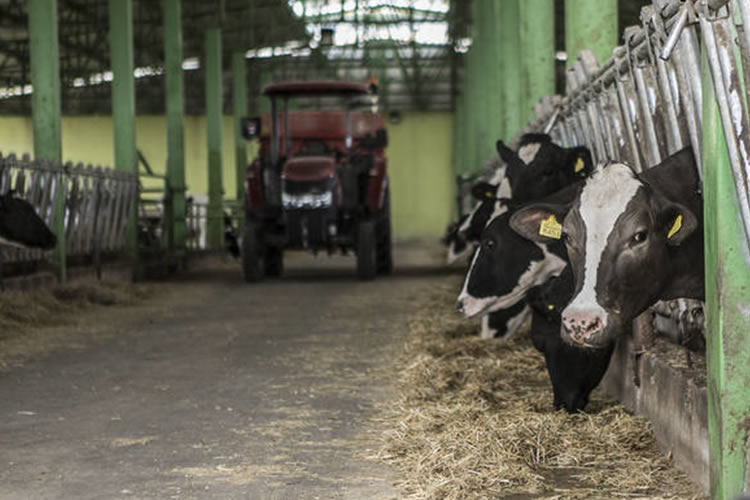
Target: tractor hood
(309, 168)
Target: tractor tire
(252, 255)
(366, 259)
(274, 261)
(384, 251)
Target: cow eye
(639, 237)
(489, 243)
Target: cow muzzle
(583, 327)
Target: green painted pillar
(727, 309)
(175, 109)
(263, 103)
(494, 78)
(510, 58)
(483, 82)
(590, 24)
(214, 103)
(537, 25)
(45, 105)
(123, 104)
(239, 108)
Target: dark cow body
(632, 240)
(573, 370)
(21, 226)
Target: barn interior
(176, 325)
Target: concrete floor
(217, 390)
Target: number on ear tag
(579, 165)
(675, 226)
(550, 228)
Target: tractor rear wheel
(366, 246)
(252, 260)
(384, 252)
(274, 261)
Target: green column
(239, 108)
(175, 108)
(45, 105)
(537, 25)
(123, 103)
(727, 309)
(590, 24)
(510, 58)
(214, 100)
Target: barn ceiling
(414, 47)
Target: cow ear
(579, 161)
(505, 152)
(677, 223)
(484, 191)
(541, 222)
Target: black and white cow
(632, 239)
(574, 371)
(20, 226)
(539, 168)
(504, 323)
(506, 265)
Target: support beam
(45, 106)
(214, 101)
(510, 59)
(537, 36)
(590, 24)
(175, 109)
(727, 309)
(123, 105)
(239, 108)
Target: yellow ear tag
(579, 165)
(489, 194)
(550, 306)
(676, 226)
(550, 228)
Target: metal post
(537, 35)
(175, 108)
(510, 58)
(239, 108)
(590, 24)
(123, 106)
(45, 106)
(214, 101)
(727, 318)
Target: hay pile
(31, 321)
(474, 419)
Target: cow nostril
(460, 307)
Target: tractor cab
(320, 179)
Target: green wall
(419, 159)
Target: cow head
(21, 226)
(540, 167)
(504, 268)
(621, 234)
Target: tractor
(320, 180)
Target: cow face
(540, 167)
(504, 268)
(620, 235)
(21, 226)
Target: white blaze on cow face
(603, 200)
(528, 152)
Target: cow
(504, 323)
(632, 239)
(538, 169)
(506, 265)
(574, 371)
(20, 226)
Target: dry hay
(30, 320)
(474, 419)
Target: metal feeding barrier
(645, 102)
(97, 201)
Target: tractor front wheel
(366, 247)
(252, 260)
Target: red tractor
(320, 180)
